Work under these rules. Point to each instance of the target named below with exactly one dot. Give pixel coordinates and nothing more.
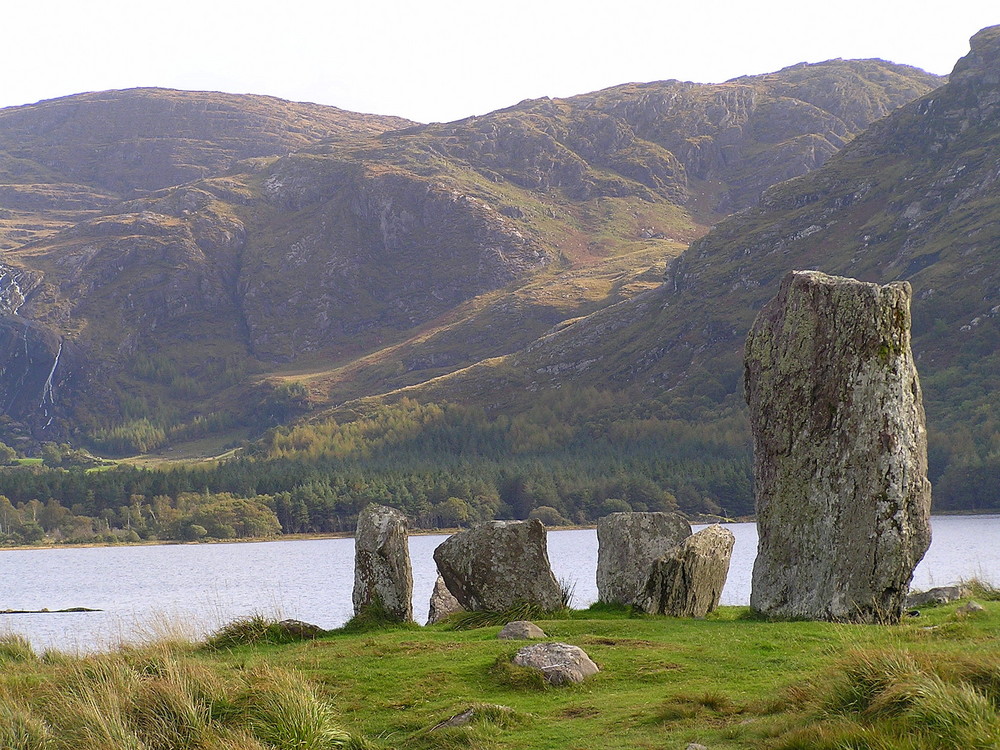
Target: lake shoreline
(695, 520)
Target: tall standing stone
(383, 578)
(688, 580)
(499, 564)
(840, 450)
(627, 544)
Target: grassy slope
(726, 682)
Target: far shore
(695, 520)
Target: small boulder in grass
(970, 608)
(301, 630)
(521, 630)
(559, 663)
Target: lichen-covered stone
(443, 603)
(560, 663)
(627, 544)
(688, 581)
(499, 564)
(840, 450)
(383, 578)
(520, 630)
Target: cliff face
(307, 234)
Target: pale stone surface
(840, 450)
(938, 595)
(521, 630)
(627, 544)
(560, 663)
(382, 573)
(970, 608)
(499, 564)
(443, 603)
(688, 581)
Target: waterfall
(47, 391)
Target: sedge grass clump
(282, 712)
(889, 699)
(20, 730)
(250, 631)
(16, 648)
(980, 588)
(161, 699)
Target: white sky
(439, 60)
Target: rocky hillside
(167, 249)
(912, 198)
(63, 159)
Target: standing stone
(627, 544)
(499, 564)
(443, 603)
(383, 578)
(840, 450)
(688, 581)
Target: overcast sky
(439, 60)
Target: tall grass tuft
(160, 699)
(284, 713)
(16, 648)
(893, 699)
(19, 730)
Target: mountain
(65, 159)
(912, 198)
(182, 263)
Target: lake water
(191, 590)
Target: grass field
(728, 681)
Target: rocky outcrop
(520, 630)
(383, 578)
(499, 564)
(559, 663)
(628, 543)
(442, 604)
(840, 450)
(688, 581)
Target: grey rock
(560, 663)
(469, 715)
(499, 564)
(695, 746)
(688, 581)
(840, 450)
(970, 608)
(939, 595)
(383, 577)
(627, 544)
(521, 630)
(443, 603)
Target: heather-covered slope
(914, 198)
(63, 159)
(363, 260)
